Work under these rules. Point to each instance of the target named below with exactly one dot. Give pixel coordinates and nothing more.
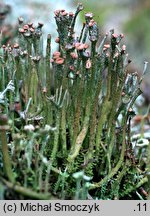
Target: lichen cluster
(65, 117)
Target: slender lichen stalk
(27, 192)
(6, 157)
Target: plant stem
(6, 157)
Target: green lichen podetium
(69, 113)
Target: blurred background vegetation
(130, 17)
